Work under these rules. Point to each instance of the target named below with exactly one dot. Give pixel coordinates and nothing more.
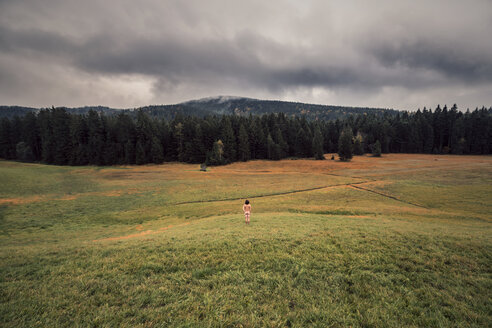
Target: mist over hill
(223, 105)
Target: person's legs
(247, 218)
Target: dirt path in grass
(387, 196)
(272, 194)
(355, 185)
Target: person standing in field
(247, 210)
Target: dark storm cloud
(216, 59)
(237, 58)
(375, 53)
(452, 61)
(35, 41)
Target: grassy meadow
(402, 240)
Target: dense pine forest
(55, 136)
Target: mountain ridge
(222, 105)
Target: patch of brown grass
(21, 200)
(142, 233)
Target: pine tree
(358, 145)
(318, 145)
(144, 134)
(345, 145)
(130, 155)
(164, 135)
(189, 134)
(300, 143)
(216, 156)
(24, 152)
(198, 153)
(7, 150)
(282, 145)
(96, 138)
(243, 148)
(16, 131)
(229, 140)
(427, 137)
(79, 139)
(376, 149)
(140, 156)
(179, 137)
(156, 151)
(46, 135)
(31, 135)
(272, 150)
(257, 140)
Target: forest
(54, 136)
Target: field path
(387, 196)
(272, 194)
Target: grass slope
(91, 246)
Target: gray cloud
(451, 61)
(126, 53)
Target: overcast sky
(398, 54)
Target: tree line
(54, 136)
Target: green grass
(331, 257)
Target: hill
(245, 106)
(223, 105)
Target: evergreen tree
(124, 134)
(257, 140)
(164, 134)
(24, 152)
(30, 134)
(7, 151)
(179, 138)
(216, 156)
(302, 143)
(198, 153)
(144, 134)
(243, 149)
(283, 147)
(229, 140)
(46, 135)
(96, 138)
(140, 156)
(130, 154)
(79, 135)
(111, 146)
(358, 145)
(16, 131)
(345, 145)
(460, 147)
(272, 149)
(189, 135)
(376, 149)
(156, 151)
(318, 144)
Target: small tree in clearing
(345, 145)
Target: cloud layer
(127, 53)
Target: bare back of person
(247, 211)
